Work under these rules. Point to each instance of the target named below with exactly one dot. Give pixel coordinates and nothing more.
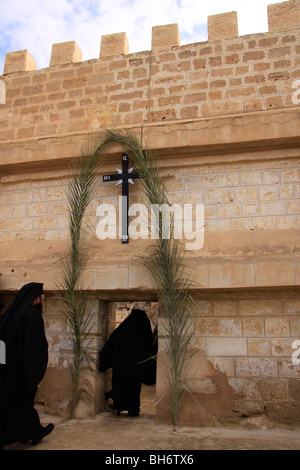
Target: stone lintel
(224, 25)
(114, 45)
(284, 16)
(19, 61)
(226, 263)
(65, 53)
(165, 37)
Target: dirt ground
(110, 432)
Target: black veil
(15, 313)
(22, 330)
(130, 352)
(130, 349)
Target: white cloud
(37, 24)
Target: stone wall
(249, 336)
(245, 343)
(251, 196)
(238, 74)
(223, 118)
(251, 218)
(55, 389)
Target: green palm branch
(72, 292)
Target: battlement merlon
(281, 16)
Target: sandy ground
(110, 432)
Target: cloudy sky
(37, 24)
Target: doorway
(117, 312)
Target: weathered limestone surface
(284, 16)
(110, 266)
(228, 76)
(114, 44)
(65, 53)
(165, 37)
(19, 61)
(224, 119)
(222, 26)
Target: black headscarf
(18, 308)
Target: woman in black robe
(22, 330)
(129, 351)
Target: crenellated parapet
(281, 16)
(226, 75)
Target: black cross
(123, 177)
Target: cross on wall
(124, 177)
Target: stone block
(111, 277)
(248, 408)
(295, 326)
(114, 45)
(275, 273)
(276, 326)
(202, 308)
(258, 347)
(65, 53)
(260, 307)
(287, 369)
(222, 26)
(256, 367)
(283, 412)
(19, 61)
(139, 278)
(230, 274)
(226, 346)
(244, 388)
(218, 327)
(55, 324)
(294, 389)
(165, 37)
(283, 16)
(282, 346)
(253, 326)
(272, 389)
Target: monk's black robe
(129, 351)
(22, 329)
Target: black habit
(22, 330)
(130, 352)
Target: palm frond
(72, 292)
